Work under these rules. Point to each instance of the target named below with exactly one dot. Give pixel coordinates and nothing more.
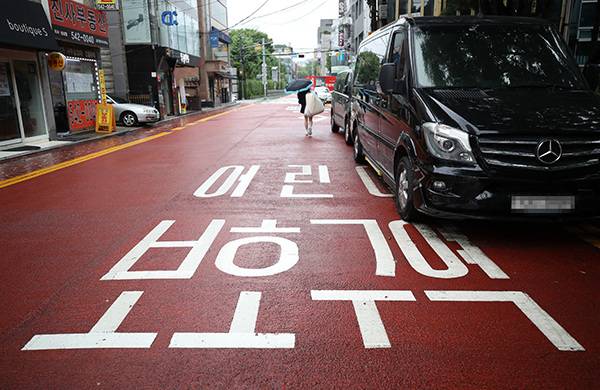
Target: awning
(24, 23)
(227, 76)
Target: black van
(340, 104)
(478, 117)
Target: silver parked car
(324, 94)
(130, 114)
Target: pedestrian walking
(307, 107)
(308, 118)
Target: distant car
(324, 94)
(340, 105)
(130, 114)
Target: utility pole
(241, 69)
(264, 70)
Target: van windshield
(493, 56)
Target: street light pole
(242, 68)
(264, 70)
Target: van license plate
(542, 204)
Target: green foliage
(367, 68)
(254, 88)
(252, 59)
(310, 68)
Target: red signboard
(322, 81)
(75, 22)
(82, 113)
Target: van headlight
(448, 143)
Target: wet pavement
(234, 252)
(17, 163)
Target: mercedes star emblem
(548, 151)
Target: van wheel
(359, 157)
(334, 127)
(404, 191)
(348, 133)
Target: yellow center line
(40, 172)
(78, 160)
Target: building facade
(25, 39)
(162, 51)
(216, 75)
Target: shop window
(582, 52)
(28, 88)
(218, 12)
(81, 92)
(9, 122)
(588, 14)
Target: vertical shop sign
(102, 85)
(136, 21)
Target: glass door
(9, 121)
(30, 99)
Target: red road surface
(130, 270)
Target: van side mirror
(387, 77)
(591, 72)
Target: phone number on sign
(82, 37)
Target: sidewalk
(23, 149)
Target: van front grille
(520, 152)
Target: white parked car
(324, 94)
(130, 114)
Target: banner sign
(102, 85)
(136, 21)
(77, 23)
(82, 113)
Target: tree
(251, 58)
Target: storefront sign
(57, 61)
(82, 113)
(169, 18)
(77, 23)
(183, 58)
(4, 82)
(24, 23)
(102, 85)
(136, 21)
(107, 5)
(73, 52)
